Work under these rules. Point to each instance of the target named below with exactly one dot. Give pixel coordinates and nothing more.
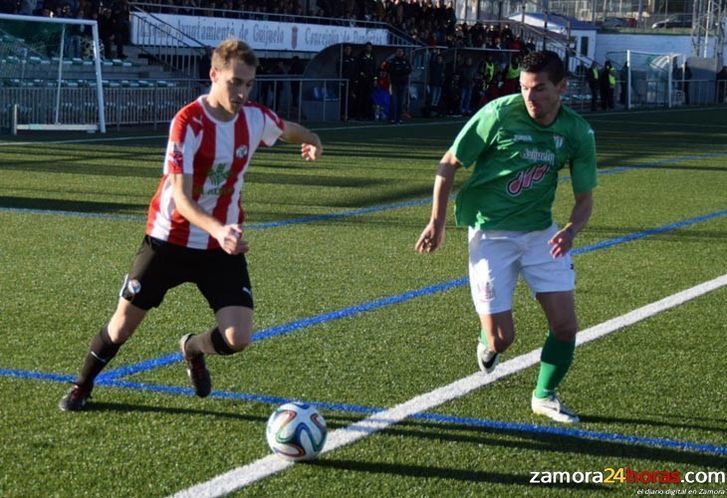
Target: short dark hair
(544, 61)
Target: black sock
(211, 342)
(221, 346)
(101, 351)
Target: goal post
(46, 82)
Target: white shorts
(497, 257)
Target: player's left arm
(562, 241)
(584, 180)
(310, 143)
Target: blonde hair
(233, 48)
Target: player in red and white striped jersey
(194, 230)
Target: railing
(296, 99)
(182, 57)
(650, 92)
(303, 99)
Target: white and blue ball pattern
(296, 431)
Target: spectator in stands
(75, 35)
(348, 68)
(721, 81)
(188, 7)
(506, 33)
(24, 7)
(623, 95)
(607, 82)
(436, 80)
(592, 79)
(279, 71)
(466, 80)
(295, 69)
(367, 71)
(205, 64)
(120, 15)
(87, 32)
(492, 85)
(682, 75)
(382, 94)
(511, 77)
(106, 31)
(399, 71)
(453, 92)
(518, 44)
(195, 231)
(489, 89)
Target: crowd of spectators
(112, 17)
(458, 82)
(430, 22)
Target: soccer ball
(296, 431)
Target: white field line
(264, 467)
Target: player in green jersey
(515, 147)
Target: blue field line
(295, 325)
(604, 170)
(335, 216)
(369, 410)
(256, 398)
(29, 374)
(248, 226)
(147, 365)
(74, 214)
(572, 432)
(646, 233)
(397, 299)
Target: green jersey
(516, 163)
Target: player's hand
(311, 152)
(562, 242)
(231, 241)
(431, 238)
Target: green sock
(555, 360)
(483, 337)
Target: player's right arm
(433, 235)
(228, 236)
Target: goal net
(50, 74)
(645, 79)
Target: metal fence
(650, 93)
(123, 106)
(296, 99)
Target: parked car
(619, 22)
(675, 21)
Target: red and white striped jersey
(216, 154)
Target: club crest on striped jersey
(241, 152)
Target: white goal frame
(57, 125)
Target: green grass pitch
(72, 215)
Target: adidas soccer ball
(296, 431)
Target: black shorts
(160, 266)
